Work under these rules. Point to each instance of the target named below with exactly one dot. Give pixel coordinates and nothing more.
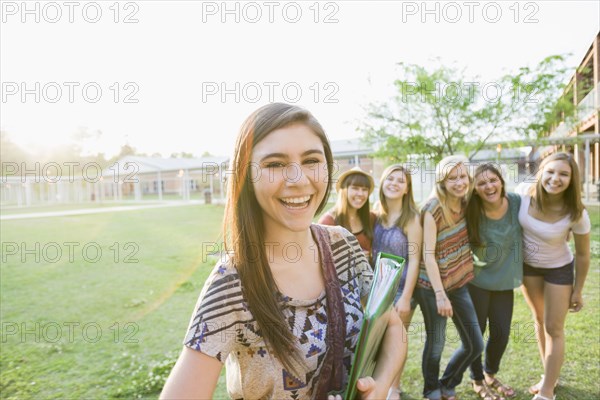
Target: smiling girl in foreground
(285, 322)
(549, 212)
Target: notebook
(386, 280)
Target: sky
(177, 76)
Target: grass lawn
(110, 325)
(11, 210)
(77, 328)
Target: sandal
(535, 389)
(540, 397)
(395, 393)
(483, 390)
(501, 388)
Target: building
(153, 178)
(582, 137)
(349, 153)
(132, 178)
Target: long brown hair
(340, 211)
(572, 203)
(409, 209)
(244, 230)
(475, 205)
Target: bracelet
(439, 291)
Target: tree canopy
(441, 111)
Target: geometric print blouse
(224, 328)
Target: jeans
(497, 307)
(465, 321)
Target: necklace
(455, 212)
(460, 208)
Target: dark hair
(572, 195)
(340, 212)
(244, 230)
(475, 206)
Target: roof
(340, 148)
(486, 154)
(350, 147)
(143, 165)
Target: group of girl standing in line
(520, 240)
(287, 327)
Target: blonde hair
(409, 209)
(442, 170)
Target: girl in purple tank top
(398, 231)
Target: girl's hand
(368, 388)
(576, 303)
(403, 308)
(443, 304)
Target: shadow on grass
(571, 393)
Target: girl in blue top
(398, 231)
(495, 235)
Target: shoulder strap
(331, 375)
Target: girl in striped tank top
(446, 268)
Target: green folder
(388, 272)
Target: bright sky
(197, 69)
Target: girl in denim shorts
(553, 278)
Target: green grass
(151, 298)
(143, 308)
(11, 210)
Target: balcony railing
(562, 130)
(588, 105)
(585, 109)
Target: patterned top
(452, 250)
(392, 241)
(223, 327)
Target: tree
(28, 159)
(10, 154)
(127, 150)
(440, 112)
(182, 154)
